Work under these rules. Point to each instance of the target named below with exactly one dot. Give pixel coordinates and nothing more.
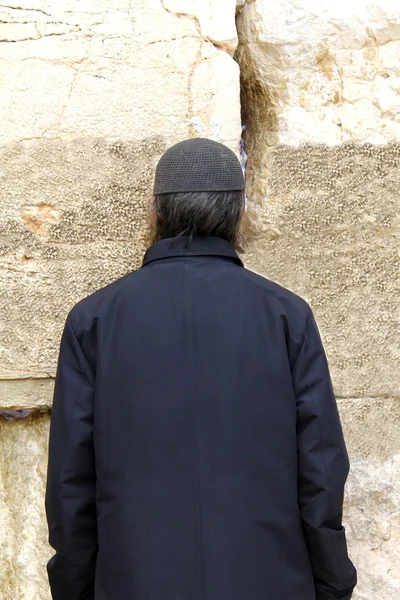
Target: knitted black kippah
(196, 165)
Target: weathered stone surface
(372, 506)
(120, 69)
(24, 550)
(372, 521)
(76, 216)
(328, 71)
(29, 394)
(324, 219)
(325, 223)
(99, 90)
(320, 102)
(92, 94)
(371, 427)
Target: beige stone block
(75, 220)
(211, 19)
(303, 58)
(371, 429)
(372, 499)
(318, 81)
(24, 549)
(120, 71)
(97, 96)
(372, 521)
(26, 394)
(325, 223)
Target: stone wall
(320, 94)
(93, 92)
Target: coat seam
(87, 366)
(297, 361)
(86, 360)
(197, 453)
(303, 374)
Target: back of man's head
(199, 190)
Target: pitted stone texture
(76, 214)
(328, 72)
(99, 91)
(325, 223)
(371, 427)
(24, 550)
(320, 102)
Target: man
(196, 451)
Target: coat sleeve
(71, 484)
(323, 467)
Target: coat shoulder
(289, 301)
(87, 309)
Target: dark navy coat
(196, 451)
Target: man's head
(199, 190)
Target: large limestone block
(24, 550)
(92, 94)
(372, 502)
(325, 223)
(76, 219)
(324, 204)
(328, 71)
(26, 394)
(121, 69)
(372, 520)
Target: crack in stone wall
(228, 45)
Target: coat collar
(199, 246)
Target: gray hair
(200, 213)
